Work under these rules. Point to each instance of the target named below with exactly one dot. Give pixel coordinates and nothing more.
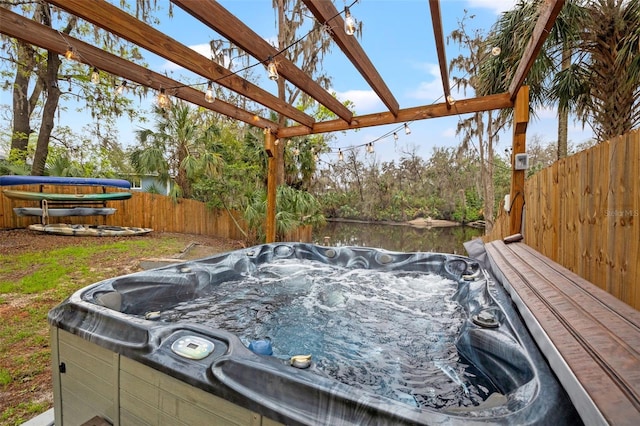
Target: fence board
(622, 218)
(584, 213)
(634, 252)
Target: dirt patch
(25, 370)
(15, 241)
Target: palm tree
(589, 64)
(609, 70)
(295, 208)
(177, 149)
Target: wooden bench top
(590, 338)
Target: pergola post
(521, 120)
(272, 173)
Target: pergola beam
(216, 17)
(325, 12)
(547, 17)
(438, 34)
(463, 106)
(519, 146)
(116, 21)
(29, 31)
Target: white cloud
(546, 113)
(365, 101)
(449, 133)
(203, 49)
(431, 89)
(497, 6)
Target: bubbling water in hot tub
(392, 333)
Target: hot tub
(301, 334)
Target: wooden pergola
(216, 17)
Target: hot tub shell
(111, 362)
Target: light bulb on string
(395, 136)
(163, 100)
(69, 54)
(340, 155)
(407, 130)
(95, 76)
(370, 147)
(451, 100)
(272, 69)
(496, 51)
(209, 97)
(121, 88)
(349, 22)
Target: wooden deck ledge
(590, 338)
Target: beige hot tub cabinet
(90, 381)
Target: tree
(589, 64)
(360, 187)
(44, 70)
(307, 53)
(243, 168)
(480, 130)
(89, 153)
(295, 208)
(177, 149)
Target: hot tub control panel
(192, 347)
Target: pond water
(396, 237)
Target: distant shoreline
(416, 223)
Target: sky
(398, 38)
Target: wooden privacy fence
(584, 213)
(143, 210)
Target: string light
(69, 54)
(163, 100)
(209, 96)
(121, 88)
(273, 70)
(95, 76)
(495, 51)
(349, 22)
